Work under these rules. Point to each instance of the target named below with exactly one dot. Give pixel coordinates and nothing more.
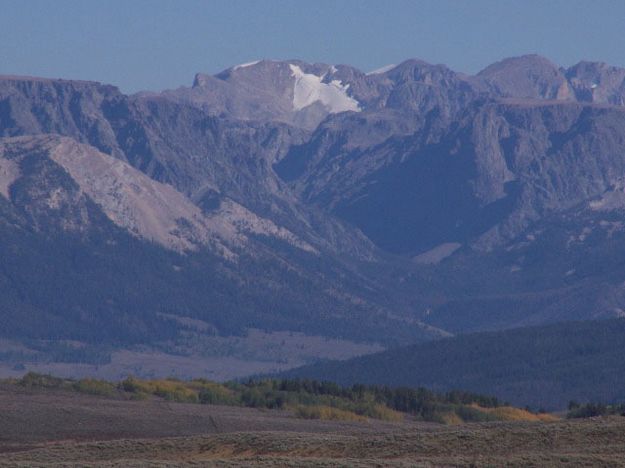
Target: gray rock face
(528, 77)
(597, 82)
(534, 77)
(31, 106)
(557, 157)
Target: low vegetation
(327, 413)
(308, 399)
(590, 410)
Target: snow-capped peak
(310, 88)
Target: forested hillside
(541, 366)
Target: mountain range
(383, 208)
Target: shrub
(327, 413)
(385, 413)
(589, 410)
(32, 379)
(172, 390)
(450, 418)
(95, 387)
(474, 414)
(215, 394)
(130, 385)
(509, 413)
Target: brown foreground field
(52, 427)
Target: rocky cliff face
(597, 82)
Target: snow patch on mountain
(245, 65)
(310, 88)
(381, 70)
(611, 200)
(437, 254)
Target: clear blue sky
(141, 44)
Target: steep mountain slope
(131, 200)
(541, 367)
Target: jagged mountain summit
(292, 92)
(389, 207)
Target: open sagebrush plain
(58, 428)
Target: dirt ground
(54, 428)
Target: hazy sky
(157, 44)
